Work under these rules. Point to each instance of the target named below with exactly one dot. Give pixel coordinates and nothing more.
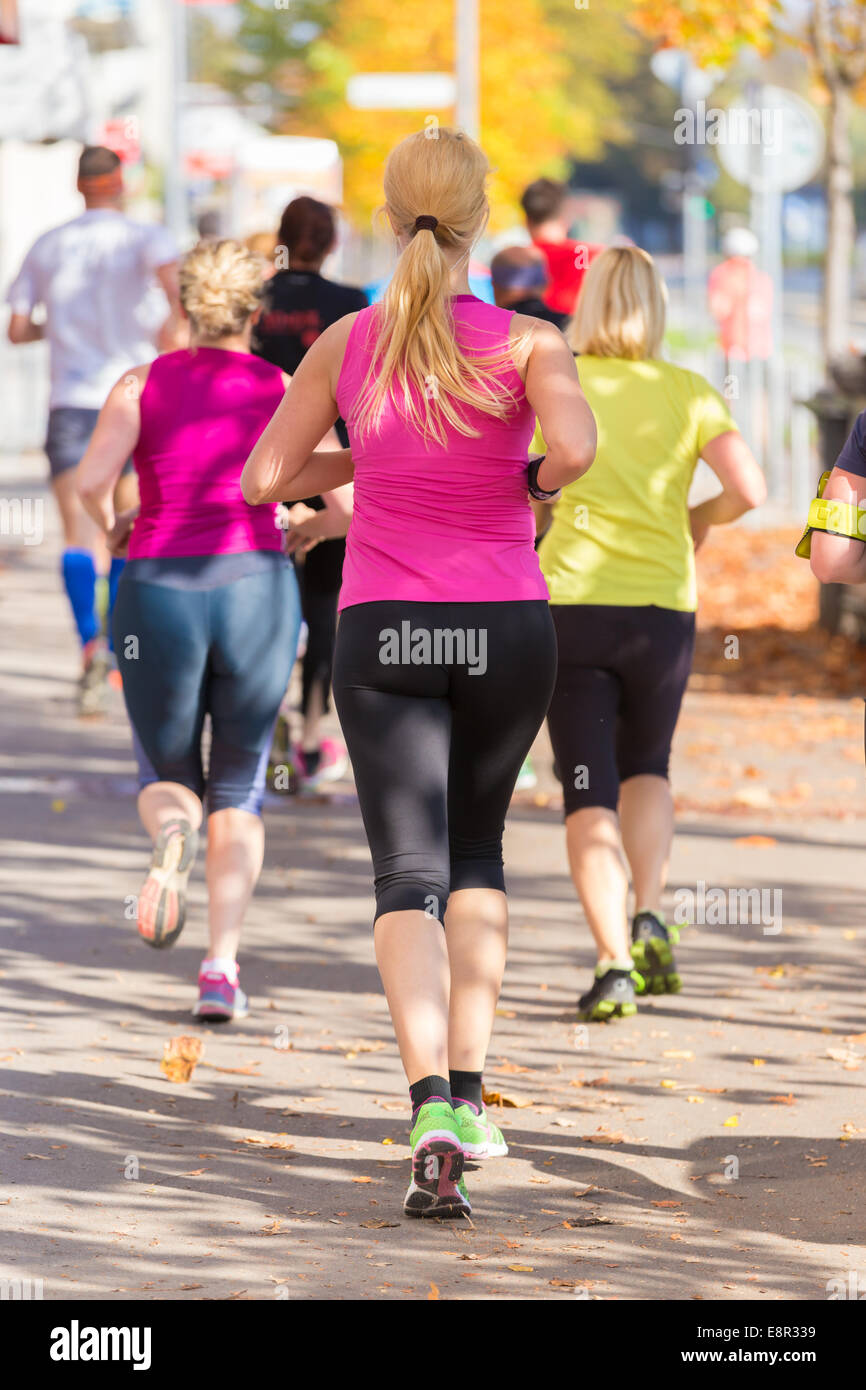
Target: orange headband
(102, 184)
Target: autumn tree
(545, 68)
(832, 33)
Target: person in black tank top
(297, 306)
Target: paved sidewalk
(711, 1147)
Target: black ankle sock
(466, 1086)
(429, 1088)
(312, 759)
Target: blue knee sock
(113, 580)
(79, 578)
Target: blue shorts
(207, 635)
(69, 431)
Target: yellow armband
(836, 517)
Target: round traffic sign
(772, 147)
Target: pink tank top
(439, 524)
(202, 411)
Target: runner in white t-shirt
(95, 277)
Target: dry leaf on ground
(181, 1057)
(503, 1099)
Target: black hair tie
(425, 221)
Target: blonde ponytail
(417, 362)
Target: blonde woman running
(445, 654)
(207, 613)
(619, 561)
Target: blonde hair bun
(220, 287)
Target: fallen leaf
(380, 1225)
(695, 1100)
(755, 841)
(759, 1062)
(522, 1269)
(732, 1121)
(363, 1180)
(181, 1055)
(784, 1100)
(192, 1286)
(248, 1070)
(501, 1098)
(666, 1203)
(668, 1085)
(603, 1136)
(433, 1294)
(353, 1048)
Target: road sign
(406, 91)
(772, 145)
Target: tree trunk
(840, 223)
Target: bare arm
(287, 461)
(837, 559)
(553, 390)
(330, 524)
(742, 481)
(22, 329)
(113, 440)
(174, 332)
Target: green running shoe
(436, 1188)
(611, 996)
(651, 952)
(480, 1137)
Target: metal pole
(175, 182)
(467, 53)
(694, 219)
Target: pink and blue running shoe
(218, 999)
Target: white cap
(739, 241)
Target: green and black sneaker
(437, 1187)
(612, 994)
(652, 952)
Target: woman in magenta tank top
(445, 655)
(207, 612)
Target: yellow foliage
(540, 100)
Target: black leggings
(439, 705)
(319, 578)
(620, 683)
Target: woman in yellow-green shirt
(619, 562)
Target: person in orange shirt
(567, 260)
(741, 300)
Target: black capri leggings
(620, 683)
(439, 705)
